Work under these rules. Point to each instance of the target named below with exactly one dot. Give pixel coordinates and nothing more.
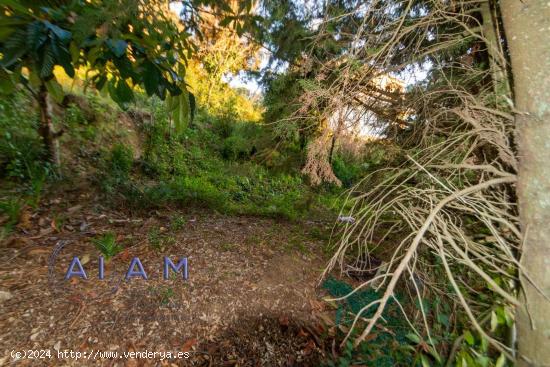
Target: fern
(107, 245)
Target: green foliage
(20, 148)
(346, 171)
(107, 245)
(390, 345)
(159, 241)
(120, 161)
(38, 36)
(163, 294)
(201, 167)
(177, 223)
(237, 147)
(11, 208)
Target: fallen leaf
(85, 259)
(38, 251)
(310, 346)
(43, 232)
(53, 225)
(25, 220)
(74, 209)
(125, 255)
(188, 345)
(17, 243)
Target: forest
(275, 183)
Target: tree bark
(497, 64)
(527, 28)
(46, 131)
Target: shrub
(199, 191)
(120, 161)
(236, 148)
(347, 172)
(20, 146)
(11, 208)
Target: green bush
(21, 149)
(11, 208)
(347, 172)
(120, 160)
(224, 126)
(208, 165)
(236, 148)
(199, 191)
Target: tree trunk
(497, 61)
(527, 27)
(46, 131)
(332, 144)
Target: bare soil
(250, 299)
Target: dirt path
(248, 300)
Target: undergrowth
(211, 164)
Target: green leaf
(501, 361)
(225, 21)
(151, 77)
(75, 52)
(63, 57)
(494, 321)
(469, 338)
(124, 92)
(100, 81)
(413, 337)
(14, 48)
(124, 66)
(36, 35)
(443, 319)
(94, 54)
(434, 354)
(484, 345)
(55, 89)
(179, 106)
(425, 361)
(171, 103)
(62, 34)
(48, 62)
(118, 47)
(483, 361)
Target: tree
(122, 43)
(526, 25)
(448, 207)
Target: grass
(177, 223)
(211, 164)
(160, 241)
(11, 209)
(193, 169)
